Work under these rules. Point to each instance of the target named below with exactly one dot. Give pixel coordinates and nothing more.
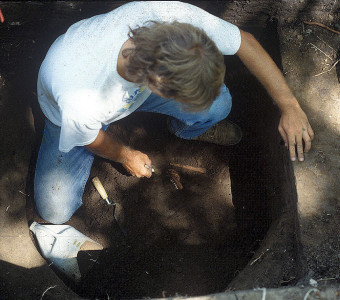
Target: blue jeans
(60, 178)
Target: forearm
(106, 147)
(294, 126)
(259, 63)
(133, 161)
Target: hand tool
(151, 168)
(98, 185)
(172, 174)
(100, 188)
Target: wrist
(124, 154)
(288, 104)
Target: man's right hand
(133, 161)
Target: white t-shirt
(79, 88)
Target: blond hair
(178, 60)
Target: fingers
(145, 172)
(135, 164)
(296, 145)
(296, 132)
(140, 172)
(147, 169)
(292, 150)
(293, 143)
(283, 135)
(308, 140)
(310, 132)
(299, 148)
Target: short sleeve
(74, 134)
(80, 119)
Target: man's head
(178, 61)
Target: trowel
(101, 190)
(60, 244)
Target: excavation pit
(233, 227)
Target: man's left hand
(295, 129)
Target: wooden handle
(99, 187)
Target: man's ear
(126, 52)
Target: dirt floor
(206, 237)
(178, 241)
(317, 76)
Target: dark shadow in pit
(259, 172)
(262, 178)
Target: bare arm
(133, 161)
(294, 126)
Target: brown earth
(207, 237)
